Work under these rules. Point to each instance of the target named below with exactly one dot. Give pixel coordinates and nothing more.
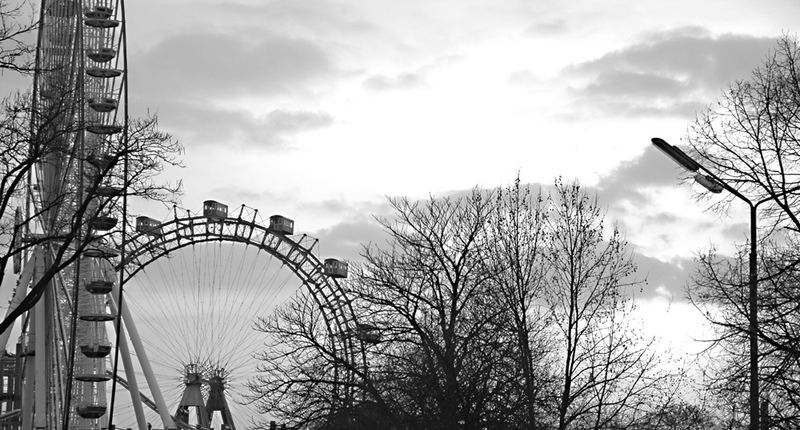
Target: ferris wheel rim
(331, 299)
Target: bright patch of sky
(318, 109)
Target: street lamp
(714, 184)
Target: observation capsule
(214, 210)
(101, 55)
(97, 314)
(102, 104)
(88, 369)
(102, 162)
(102, 72)
(281, 224)
(96, 349)
(367, 333)
(100, 252)
(91, 410)
(105, 191)
(89, 399)
(99, 12)
(99, 286)
(148, 225)
(335, 268)
(101, 22)
(103, 128)
(102, 223)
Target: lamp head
(676, 154)
(709, 183)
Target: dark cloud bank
(674, 73)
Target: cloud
(664, 278)
(310, 15)
(547, 27)
(403, 81)
(197, 66)
(524, 78)
(667, 73)
(626, 181)
(346, 239)
(737, 232)
(201, 125)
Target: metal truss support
(40, 360)
(152, 382)
(130, 374)
(20, 290)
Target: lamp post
(714, 184)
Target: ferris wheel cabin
(147, 225)
(100, 17)
(102, 104)
(367, 333)
(335, 268)
(102, 162)
(108, 191)
(97, 350)
(214, 210)
(102, 223)
(102, 55)
(281, 224)
(99, 12)
(99, 286)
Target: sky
(319, 110)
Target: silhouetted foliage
(492, 313)
(719, 290)
(33, 202)
(749, 138)
(18, 25)
(517, 256)
(609, 374)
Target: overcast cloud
(675, 72)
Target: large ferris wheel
(203, 278)
(143, 292)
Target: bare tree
(18, 25)
(297, 378)
(749, 137)
(431, 294)
(490, 314)
(517, 234)
(609, 372)
(64, 202)
(445, 357)
(718, 290)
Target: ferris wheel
(195, 285)
(79, 131)
(198, 345)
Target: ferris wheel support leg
(28, 381)
(19, 293)
(152, 382)
(40, 359)
(130, 375)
